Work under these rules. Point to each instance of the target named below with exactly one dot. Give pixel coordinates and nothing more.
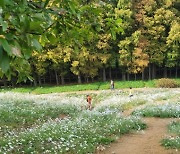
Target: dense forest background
(67, 41)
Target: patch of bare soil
(62, 116)
(143, 142)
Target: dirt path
(143, 142)
(99, 91)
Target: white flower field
(60, 123)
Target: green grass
(174, 127)
(54, 89)
(132, 104)
(173, 142)
(81, 87)
(123, 84)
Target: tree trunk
(143, 75)
(44, 80)
(62, 80)
(13, 82)
(170, 73)
(79, 79)
(4, 81)
(153, 71)
(104, 74)
(87, 79)
(149, 71)
(50, 78)
(116, 73)
(165, 72)
(69, 80)
(57, 79)
(110, 73)
(128, 76)
(135, 76)
(176, 75)
(123, 76)
(35, 82)
(39, 80)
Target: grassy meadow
(85, 86)
(60, 123)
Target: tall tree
(25, 23)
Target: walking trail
(143, 142)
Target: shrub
(166, 83)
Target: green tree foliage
(159, 23)
(131, 53)
(27, 25)
(173, 45)
(59, 59)
(85, 36)
(39, 63)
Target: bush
(166, 83)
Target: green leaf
(27, 23)
(119, 29)
(2, 3)
(36, 44)
(46, 3)
(30, 77)
(71, 5)
(79, 16)
(52, 38)
(28, 37)
(4, 26)
(113, 34)
(6, 46)
(35, 25)
(27, 53)
(118, 21)
(39, 16)
(4, 60)
(98, 28)
(43, 40)
(1, 52)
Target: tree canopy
(86, 36)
